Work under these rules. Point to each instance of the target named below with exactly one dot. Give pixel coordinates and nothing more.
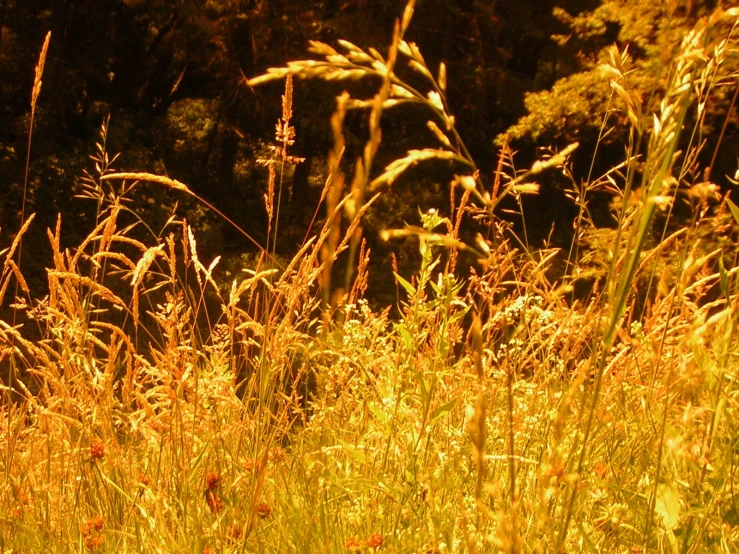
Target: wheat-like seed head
(39, 74)
(269, 198)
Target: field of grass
(152, 406)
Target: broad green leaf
(425, 387)
(409, 477)
(379, 413)
(353, 451)
(405, 337)
(734, 209)
(405, 284)
(724, 278)
(667, 504)
(443, 410)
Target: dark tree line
(171, 74)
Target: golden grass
(162, 410)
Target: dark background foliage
(171, 75)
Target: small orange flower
(252, 466)
(263, 510)
(234, 532)
(92, 531)
(214, 502)
(94, 524)
(375, 541)
(209, 551)
(93, 542)
(601, 470)
(212, 480)
(278, 454)
(97, 523)
(143, 480)
(97, 450)
(353, 544)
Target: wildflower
(208, 551)
(212, 480)
(234, 532)
(97, 450)
(375, 541)
(93, 542)
(143, 480)
(92, 531)
(214, 502)
(263, 510)
(253, 466)
(278, 454)
(353, 544)
(601, 470)
(95, 524)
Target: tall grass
(163, 410)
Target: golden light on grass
(165, 410)
(39, 74)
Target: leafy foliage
(575, 105)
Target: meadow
(154, 405)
